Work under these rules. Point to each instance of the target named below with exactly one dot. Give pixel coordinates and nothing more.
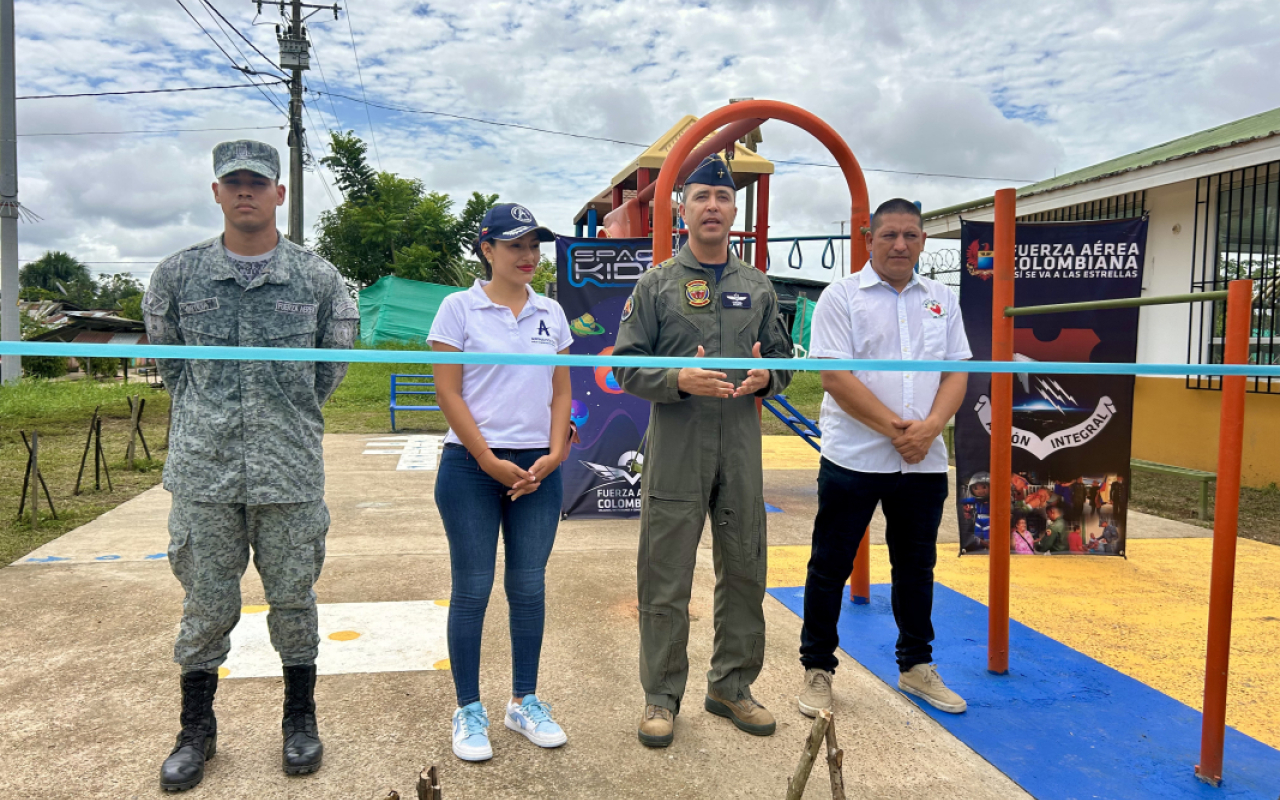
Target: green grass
(361, 403)
(805, 393)
(60, 411)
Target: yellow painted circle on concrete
(442, 664)
(254, 609)
(444, 603)
(223, 672)
(344, 636)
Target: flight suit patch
(697, 293)
(735, 299)
(628, 308)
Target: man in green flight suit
(245, 465)
(703, 456)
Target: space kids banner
(594, 278)
(1071, 433)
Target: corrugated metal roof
(1259, 126)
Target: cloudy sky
(1004, 92)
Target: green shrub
(100, 367)
(44, 366)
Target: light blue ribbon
(428, 357)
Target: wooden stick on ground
(135, 408)
(93, 421)
(38, 474)
(101, 454)
(795, 786)
(835, 763)
(142, 407)
(429, 784)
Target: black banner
(1071, 433)
(594, 278)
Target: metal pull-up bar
(1239, 299)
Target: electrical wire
(372, 135)
(245, 71)
(139, 91)
(210, 10)
(319, 167)
(242, 36)
(156, 131)
(315, 53)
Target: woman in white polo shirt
(508, 431)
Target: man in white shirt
(882, 444)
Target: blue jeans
(473, 507)
(912, 505)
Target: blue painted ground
(1060, 724)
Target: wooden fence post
(84, 457)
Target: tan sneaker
(816, 694)
(657, 726)
(744, 712)
(923, 681)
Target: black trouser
(912, 504)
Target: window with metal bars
(1120, 206)
(1237, 235)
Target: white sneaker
(533, 718)
(471, 733)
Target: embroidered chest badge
(698, 293)
(935, 308)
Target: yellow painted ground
(788, 452)
(1145, 617)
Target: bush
(44, 366)
(100, 367)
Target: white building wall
(1163, 330)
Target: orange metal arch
(860, 216)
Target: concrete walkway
(91, 696)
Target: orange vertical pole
(1001, 435)
(1225, 519)
(860, 581)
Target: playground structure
(743, 117)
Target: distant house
(1214, 203)
(94, 327)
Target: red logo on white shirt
(935, 308)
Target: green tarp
(400, 310)
(803, 324)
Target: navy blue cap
(713, 171)
(507, 221)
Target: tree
(544, 274)
(115, 289)
(391, 225)
(58, 273)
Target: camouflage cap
(247, 154)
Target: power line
(142, 91)
(210, 10)
(242, 36)
(360, 75)
(246, 71)
(319, 167)
(315, 53)
(155, 131)
(569, 134)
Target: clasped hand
(518, 480)
(914, 438)
(710, 383)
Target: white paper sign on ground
(403, 636)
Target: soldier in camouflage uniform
(245, 464)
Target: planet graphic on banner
(586, 325)
(604, 375)
(578, 413)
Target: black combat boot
(198, 740)
(302, 746)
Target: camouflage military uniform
(704, 456)
(245, 463)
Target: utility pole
(10, 327)
(295, 55)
